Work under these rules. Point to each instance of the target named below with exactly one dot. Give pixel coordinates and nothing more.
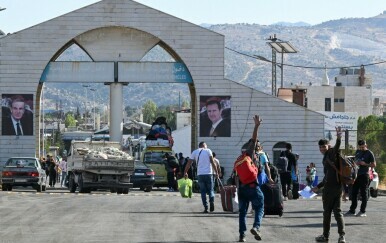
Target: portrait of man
(215, 116)
(17, 116)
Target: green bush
(381, 170)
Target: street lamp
(282, 47)
(93, 106)
(85, 104)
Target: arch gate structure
(116, 34)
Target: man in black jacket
(218, 126)
(17, 122)
(332, 189)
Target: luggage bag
(228, 194)
(273, 199)
(295, 190)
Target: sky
(21, 14)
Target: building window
(339, 100)
(327, 104)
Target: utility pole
(278, 46)
(93, 107)
(85, 104)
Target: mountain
(336, 43)
(288, 24)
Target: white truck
(94, 165)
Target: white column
(116, 112)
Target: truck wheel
(71, 184)
(113, 190)
(4, 188)
(125, 191)
(119, 190)
(80, 185)
(148, 189)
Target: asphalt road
(159, 216)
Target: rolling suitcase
(228, 194)
(273, 199)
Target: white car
(374, 184)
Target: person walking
(250, 193)
(332, 189)
(364, 158)
(63, 168)
(51, 165)
(206, 169)
(265, 175)
(171, 165)
(285, 177)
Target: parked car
(142, 177)
(23, 171)
(1, 170)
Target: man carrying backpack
(248, 189)
(285, 176)
(264, 170)
(332, 189)
(364, 158)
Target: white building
(352, 92)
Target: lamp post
(93, 107)
(85, 104)
(278, 46)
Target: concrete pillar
(116, 112)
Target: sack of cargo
(245, 169)
(185, 187)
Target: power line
(300, 66)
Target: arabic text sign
(345, 120)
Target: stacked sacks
(160, 130)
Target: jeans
(206, 184)
(254, 195)
(63, 179)
(361, 184)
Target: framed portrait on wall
(17, 114)
(215, 116)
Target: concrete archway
(115, 58)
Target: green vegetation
(373, 130)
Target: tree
(149, 111)
(185, 104)
(167, 112)
(70, 120)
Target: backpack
(348, 169)
(246, 169)
(274, 173)
(282, 164)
